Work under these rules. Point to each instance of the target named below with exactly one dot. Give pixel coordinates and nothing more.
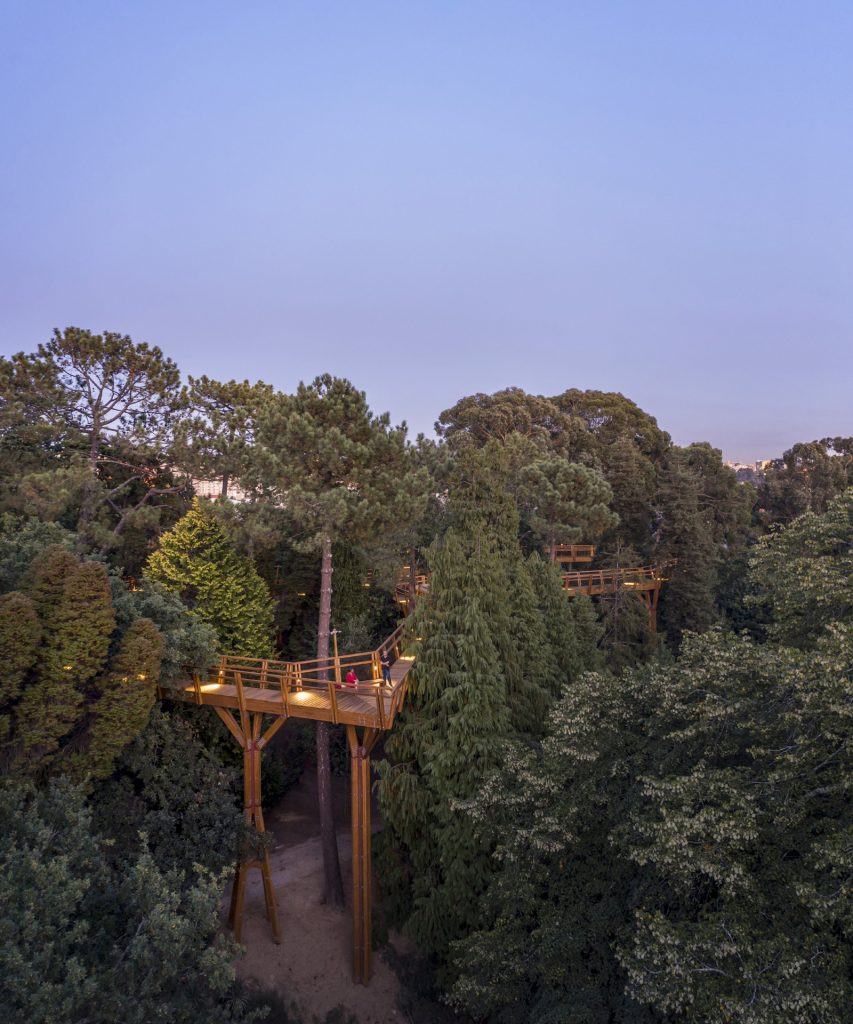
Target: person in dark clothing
(385, 663)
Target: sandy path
(313, 965)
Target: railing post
(337, 657)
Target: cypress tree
(445, 742)
(78, 620)
(20, 633)
(570, 626)
(126, 694)
(485, 514)
(533, 682)
(687, 602)
(197, 562)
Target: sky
(436, 199)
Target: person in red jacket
(352, 678)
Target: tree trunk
(334, 887)
(413, 577)
(226, 480)
(90, 493)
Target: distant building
(213, 489)
(750, 472)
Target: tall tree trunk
(226, 480)
(333, 893)
(413, 577)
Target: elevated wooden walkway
(314, 689)
(254, 697)
(645, 581)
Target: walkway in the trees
(314, 689)
(644, 581)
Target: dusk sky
(434, 199)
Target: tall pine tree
(343, 475)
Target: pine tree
(565, 501)
(197, 562)
(343, 474)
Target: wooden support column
(248, 734)
(654, 594)
(361, 851)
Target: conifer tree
(343, 474)
(197, 562)
(446, 740)
(76, 612)
(65, 706)
(570, 626)
(533, 682)
(20, 634)
(126, 694)
(566, 502)
(685, 536)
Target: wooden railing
(403, 587)
(593, 581)
(572, 552)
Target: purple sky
(440, 198)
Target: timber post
(362, 897)
(248, 735)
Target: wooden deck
(283, 694)
(605, 581)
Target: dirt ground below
(313, 965)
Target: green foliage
(20, 636)
(84, 939)
(500, 639)
(94, 417)
(687, 538)
(340, 470)
(806, 479)
(197, 562)
(571, 629)
(21, 542)
(561, 892)
(804, 573)
(677, 848)
(217, 435)
(189, 644)
(171, 788)
(122, 706)
(444, 742)
(76, 688)
(77, 619)
(565, 501)
(742, 832)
